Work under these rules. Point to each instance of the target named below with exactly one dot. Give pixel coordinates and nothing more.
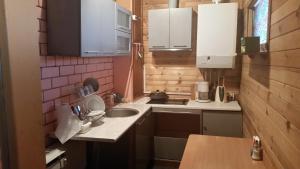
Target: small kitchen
(155, 84)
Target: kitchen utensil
(76, 109)
(91, 82)
(158, 95)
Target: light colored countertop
(192, 104)
(113, 128)
(230, 153)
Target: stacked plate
(94, 108)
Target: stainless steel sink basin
(121, 112)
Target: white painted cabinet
(180, 28)
(170, 29)
(223, 123)
(159, 35)
(97, 25)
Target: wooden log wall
(270, 87)
(176, 72)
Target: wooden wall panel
(176, 72)
(270, 88)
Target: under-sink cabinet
(133, 150)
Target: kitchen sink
(121, 112)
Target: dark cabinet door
(144, 141)
(178, 125)
(118, 155)
(172, 128)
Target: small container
(203, 91)
(173, 3)
(256, 151)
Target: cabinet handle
(123, 29)
(141, 121)
(147, 115)
(91, 52)
(180, 46)
(158, 46)
(177, 112)
(123, 52)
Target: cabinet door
(222, 123)
(108, 33)
(180, 28)
(91, 27)
(171, 132)
(159, 35)
(179, 125)
(144, 141)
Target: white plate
(94, 103)
(96, 113)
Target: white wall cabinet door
(223, 123)
(180, 28)
(159, 27)
(91, 27)
(108, 20)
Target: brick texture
(61, 74)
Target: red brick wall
(60, 74)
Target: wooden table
(213, 152)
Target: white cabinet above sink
(170, 29)
(159, 27)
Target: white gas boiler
(216, 35)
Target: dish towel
(68, 123)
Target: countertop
(230, 153)
(113, 128)
(192, 104)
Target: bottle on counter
(256, 151)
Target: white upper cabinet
(91, 27)
(180, 28)
(170, 29)
(97, 27)
(159, 34)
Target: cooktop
(170, 101)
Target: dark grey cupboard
(87, 28)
